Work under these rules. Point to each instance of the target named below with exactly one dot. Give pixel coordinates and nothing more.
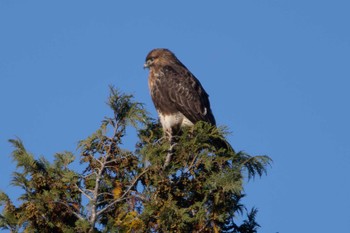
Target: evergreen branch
(255, 164)
(5, 225)
(204, 227)
(200, 193)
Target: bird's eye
(151, 59)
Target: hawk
(177, 94)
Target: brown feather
(174, 89)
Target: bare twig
(192, 163)
(125, 193)
(105, 193)
(94, 212)
(78, 215)
(83, 192)
(93, 173)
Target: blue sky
(277, 73)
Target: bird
(178, 96)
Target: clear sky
(277, 72)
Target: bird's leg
(166, 135)
(170, 151)
(169, 156)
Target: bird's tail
(221, 143)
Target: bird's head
(159, 57)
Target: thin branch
(125, 193)
(111, 166)
(99, 163)
(110, 161)
(94, 214)
(104, 201)
(83, 192)
(78, 215)
(141, 197)
(92, 173)
(89, 190)
(192, 163)
(105, 193)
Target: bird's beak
(147, 64)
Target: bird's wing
(187, 94)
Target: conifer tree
(123, 190)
